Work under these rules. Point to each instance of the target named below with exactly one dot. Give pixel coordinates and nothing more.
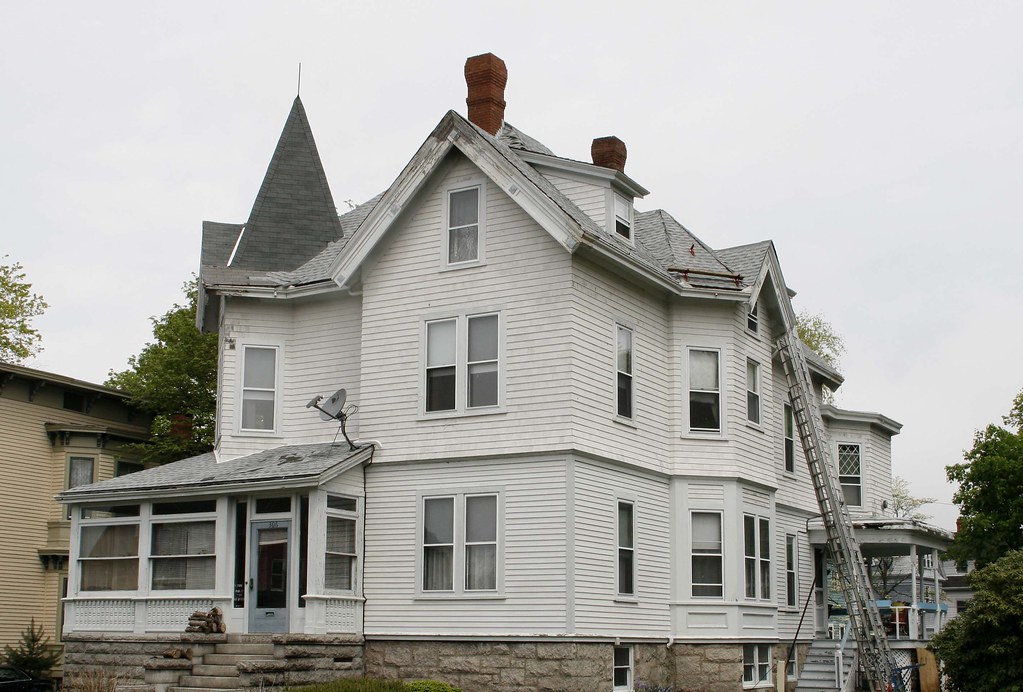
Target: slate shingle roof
(676, 247)
(288, 463)
(293, 218)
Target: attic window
(752, 319)
(623, 217)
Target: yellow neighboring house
(55, 433)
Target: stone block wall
(124, 656)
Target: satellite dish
(331, 408)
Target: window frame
(705, 432)
(623, 550)
(621, 203)
(844, 478)
(462, 365)
(71, 459)
(629, 668)
(629, 375)
(459, 545)
(753, 318)
(791, 570)
(345, 515)
(720, 555)
(788, 433)
(155, 521)
(757, 556)
(761, 669)
(480, 185)
(754, 397)
(82, 523)
(278, 351)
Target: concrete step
(215, 669)
(233, 659)
(201, 689)
(237, 638)
(220, 682)
(246, 648)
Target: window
(469, 545)
(704, 391)
(757, 553)
(123, 468)
(622, 667)
(752, 319)
(756, 664)
(849, 474)
(707, 555)
(79, 472)
(259, 387)
(472, 358)
(753, 391)
(183, 555)
(108, 553)
(74, 401)
(623, 217)
(789, 426)
(623, 371)
(791, 584)
(626, 549)
(463, 234)
(340, 553)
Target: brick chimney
(485, 77)
(609, 152)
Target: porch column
(937, 591)
(914, 609)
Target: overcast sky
(877, 144)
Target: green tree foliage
(817, 333)
(981, 650)
(990, 494)
(33, 653)
(174, 378)
(18, 305)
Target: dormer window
(623, 217)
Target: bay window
(849, 474)
(707, 556)
(340, 551)
(757, 556)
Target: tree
(981, 650)
(906, 505)
(174, 378)
(817, 333)
(18, 305)
(990, 494)
(33, 653)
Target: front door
(268, 576)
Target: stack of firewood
(207, 623)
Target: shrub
(430, 686)
(354, 685)
(92, 680)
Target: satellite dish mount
(333, 408)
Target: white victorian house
(572, 460)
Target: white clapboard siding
(589, 197)
(526, 278)
(600, 301)
(532, 492)
(788, 522)
(598, 609)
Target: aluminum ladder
(875, 657)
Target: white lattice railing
(342, 615)
(171, 614)
(104, 615)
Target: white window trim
(353, 515)
(631, 374)
(481, 233)
(787, 417)
(753, 318)
(458, 590)
(720, 555)
(630, 220)
(792, 592)
(766, 682)
(757, 392)
(758, 558)
(687, 398)
(462, 407)
(141, 552)
(188, 518)
(838, 466)
(627, 687)
(621, 595)
(278, 348)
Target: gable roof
(293, 217)
(746, 259)
(287, 466)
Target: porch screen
(182, 555)
(340, 553)
(108, 558)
